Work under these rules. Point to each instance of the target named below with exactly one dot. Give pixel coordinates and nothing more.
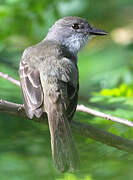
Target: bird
(49, 81)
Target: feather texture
(49, 82)
(31, 90)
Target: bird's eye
(75, 26)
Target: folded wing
(31, 89)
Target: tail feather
(63, 148)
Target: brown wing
(31, 89)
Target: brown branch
(93, 112)
(11, 108)
(80, 128)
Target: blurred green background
(106, 84)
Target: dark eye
(75, 26)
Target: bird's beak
(95, 31)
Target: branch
(103, 136)
(85, 130)
(80, 128)
(81, 108)
(12, 80)
(93, 112)
(11, 108)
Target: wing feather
(31, 89)
(73, 100)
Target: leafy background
(106, 84)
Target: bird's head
(73, 32)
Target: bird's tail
(63, 148)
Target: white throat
(74, 42)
